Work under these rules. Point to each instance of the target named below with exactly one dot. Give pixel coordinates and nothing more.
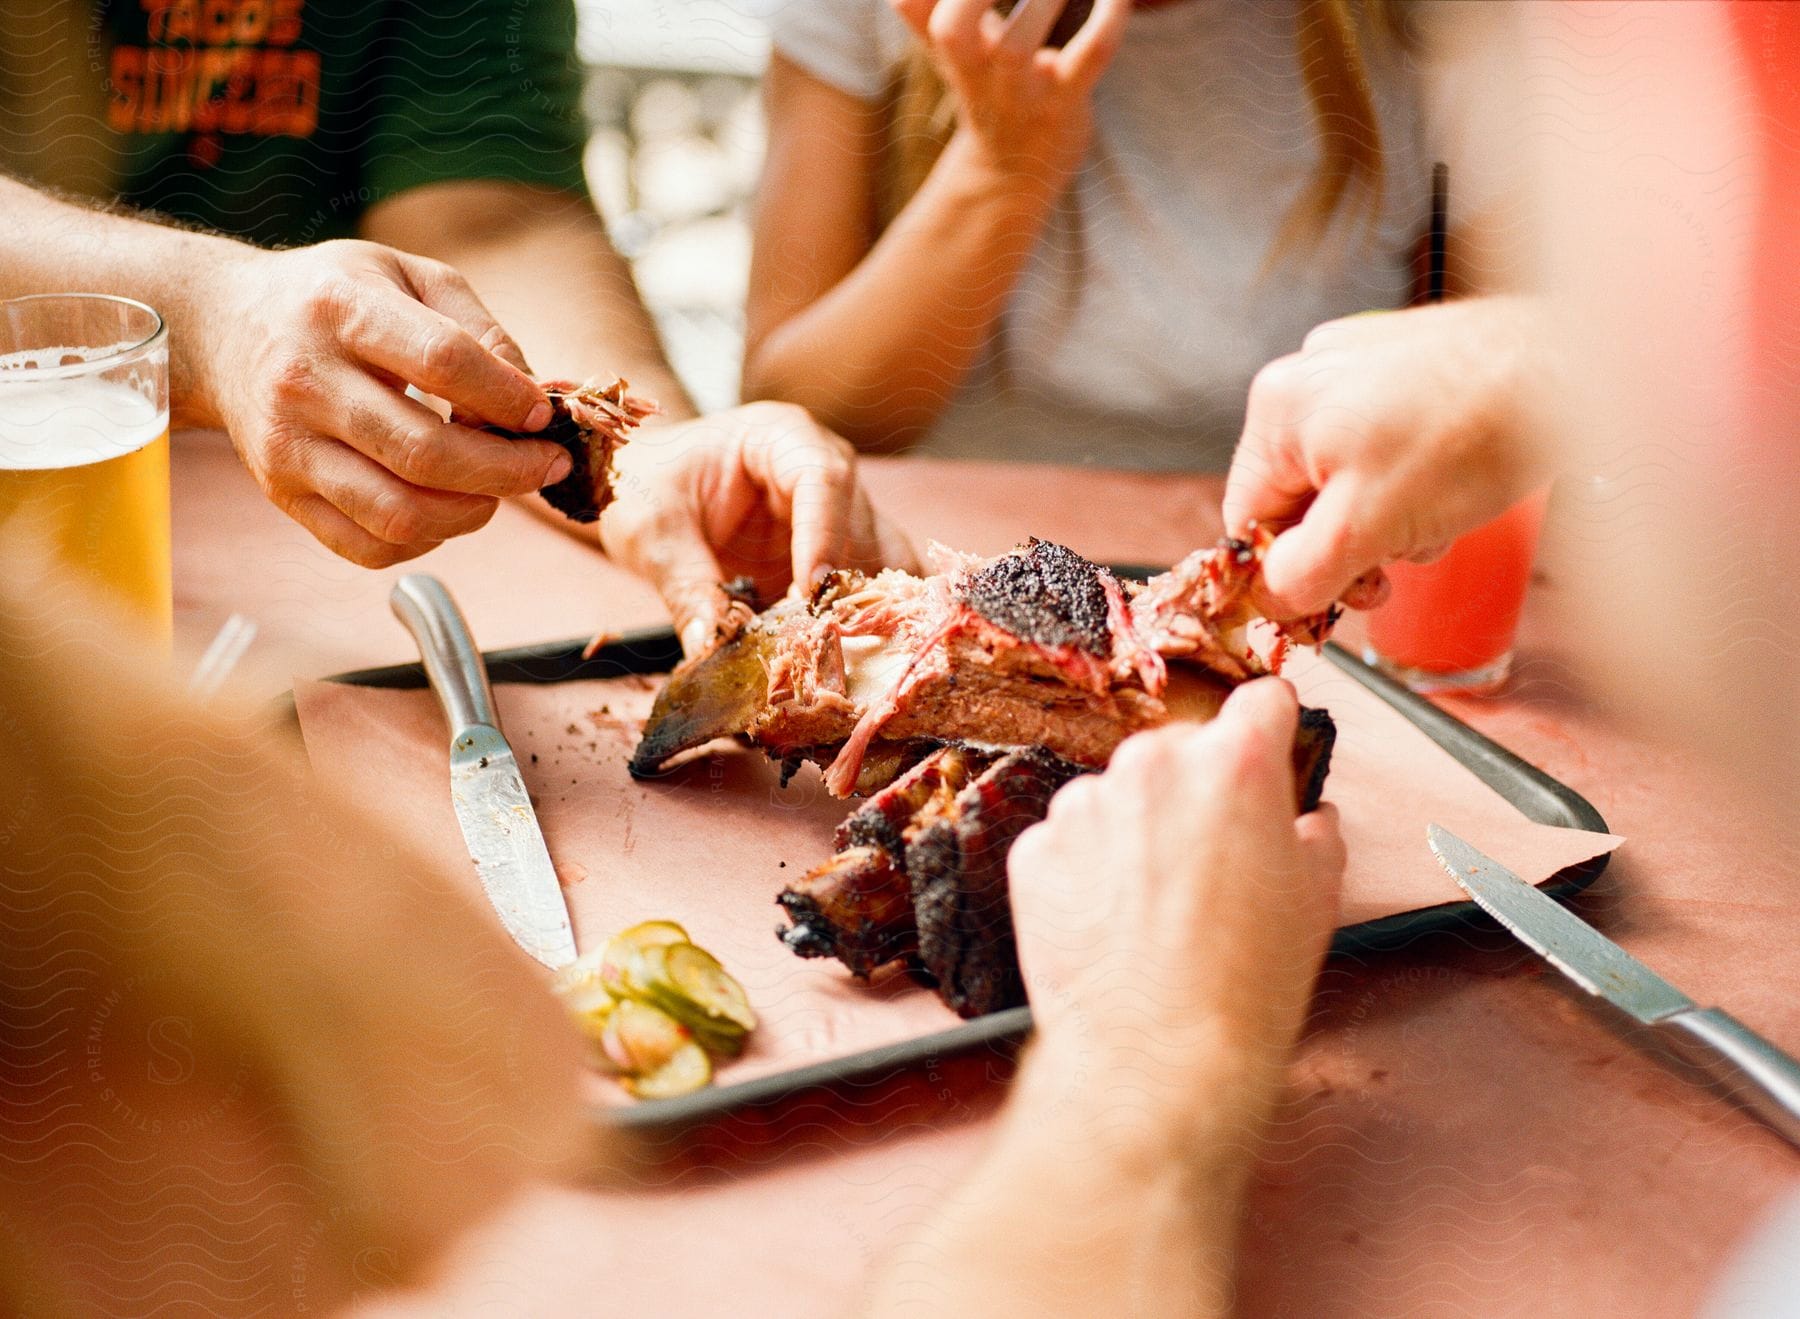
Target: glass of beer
(84, 441)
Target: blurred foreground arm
(257, 1053)
(1172, 915)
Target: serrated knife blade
(487, 792)
(1746, 1067)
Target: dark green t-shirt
(284, 120)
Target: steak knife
(1755, 1073)
(489, 796)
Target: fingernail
(560, 467)
(819, 574)
(695, 636)
(538, 418)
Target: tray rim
(1537, 794)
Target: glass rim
(159, 332)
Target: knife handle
(1754, 1072)
(457, 672)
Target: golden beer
(84, 442)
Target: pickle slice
(688, 983)
(697, 977)
(617, 956)
(687, 1070)
(642, 1039)
(579, 987)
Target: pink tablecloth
(1463, 1136)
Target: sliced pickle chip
(579, 987)
(696, 976)
(687, 1070)
(617, 956)
(644, 971)
(641, 1038)
(657, 1009)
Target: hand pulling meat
(591, 422)
(964, 701)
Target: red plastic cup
(1449, 626)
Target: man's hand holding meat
(303, 356)
(1171, 916)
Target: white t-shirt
(1145, 309)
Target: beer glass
(84, 441)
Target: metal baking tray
(1535, 793)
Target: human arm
(1171, 914)
(875, 335)
(261, 1054)
(301, 356)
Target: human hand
(305, 358)
(1385, 437)
(761, 491)
(1171, 915)
(1023, 109)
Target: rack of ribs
(963, 700)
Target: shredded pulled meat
(591, 421)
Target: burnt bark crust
(1048, 594)
(957, 870)
(919, 881)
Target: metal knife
(491, 804)
(1754, 1072)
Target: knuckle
(294, 382)
(331, 302)
(280, 459)
(397, 520)
(1277, 386)
(1026, 857)
(1149, 753)
(439, 354)
(413, 452)
(777, 416)
(946, 33)
(1077, 797)
(1242, 751)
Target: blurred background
(677, 144)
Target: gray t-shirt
(1148, 303)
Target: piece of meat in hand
(591, 422)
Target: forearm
(1075, 1212)
(52, 246)
(880, 355)
(541, 261)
